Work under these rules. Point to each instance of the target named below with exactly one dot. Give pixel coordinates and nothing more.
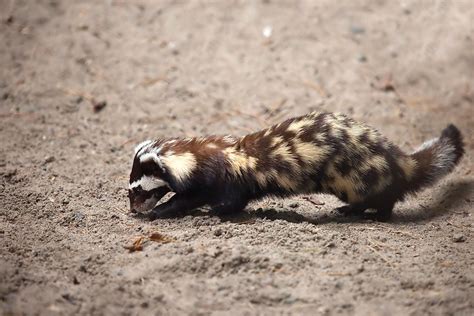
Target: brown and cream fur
(315, 153)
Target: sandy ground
(194, 68)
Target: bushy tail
(436, 158)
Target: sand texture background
(190, 68)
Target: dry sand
(167, 68)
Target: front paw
(155, 214)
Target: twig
(4, 115)
(315, 87)
(226, 115)
(379, 245)
(381, 256)
(401, 232)
(119, 210)
(147, 82)
(450, 223)
(279, 117)
(307, 198)
(78, 93)
(96, 105)
(276, 106)
(260, 120)
(339, 273)
(128, 141)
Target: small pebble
(67, 297)
(459, 238)
(77, 216)
(294, 204)
(267, 31)
(218, 232)
(355, 29)
(330, 245)
(75, 280)
(98, 106)
(49, 159)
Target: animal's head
(149, 179)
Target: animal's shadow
(448, 198)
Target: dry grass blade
(158, 237)
(257, 117)
(389, 263)
(339, 274)
(151, 81)
(137, 245)
(276, 107)
(5, 115)
(316, 88)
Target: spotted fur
(315, 153)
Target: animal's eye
(138, 190)
(147, 169)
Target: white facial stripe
(148, 183)
(142, 145)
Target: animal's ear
(142, 145)
(154, 158)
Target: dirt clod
(459, 238)
(294, 204)
(98, 106)
(159, 237)
(75, 280)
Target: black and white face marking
(147, 185)
(142, 201)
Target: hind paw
(350, 210)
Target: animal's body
(316, 153)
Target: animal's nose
(132, 210)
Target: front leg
(229, 207)
(178, 204)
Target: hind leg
(384, 213)
(352, 209)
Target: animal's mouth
(142, 204)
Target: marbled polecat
(315, 153)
